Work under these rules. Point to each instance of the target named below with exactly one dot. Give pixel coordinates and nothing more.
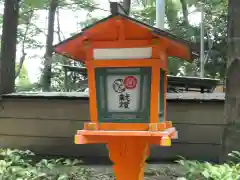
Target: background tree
(127, 5)
(8, 46)
(50, 72)
(47, 72)
(232, 103)
(177, 21)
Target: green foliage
(65, 81)
(23, 78)
(215, 36)
(23, 82)
(34, 4)
(19, 165)
(29, 29)
(235, 156)
(207, 171)
(1, 20)
(144, 10)
(44, 4)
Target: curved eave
(73, 48)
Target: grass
(20, 165)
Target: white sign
(122, 53)
(123, 93)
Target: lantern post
(127, 72)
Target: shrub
(18, 165)
(195, 170)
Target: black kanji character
(124, 100)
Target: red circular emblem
(130, 82)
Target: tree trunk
(232, 103)
(185, 12)
(47, 72)
(8, 46)
(66, 88)
(127, 6)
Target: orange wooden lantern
(127, 75)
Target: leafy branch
(23, 57)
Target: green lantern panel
(123, 94)
(161, 96)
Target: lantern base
(128, 157)
(104, 137)
(128, 150)
(161, 126)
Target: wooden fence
(46, 123)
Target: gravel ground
(152, 172)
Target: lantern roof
(107, 29)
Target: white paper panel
(123, 53)
(114, 97)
